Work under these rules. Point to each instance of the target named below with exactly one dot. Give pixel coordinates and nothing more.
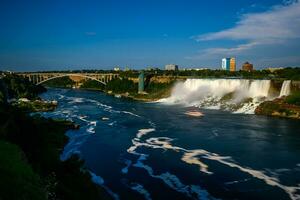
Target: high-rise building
(247, 67)
(232, 65)
(171, 67)
(229, 64)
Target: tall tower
(232, 65)
(141, 82)
(229, 64)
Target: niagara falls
(150, 100)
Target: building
(247, 67)
(117, 69)
(273, 69)
(229, 64)
(171, 67)
(193, 69)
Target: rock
(24, 100)
(278, 108)
(76, 126)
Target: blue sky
(57, 34)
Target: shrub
(293, 98)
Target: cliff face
(278, 108)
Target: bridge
(40, 78)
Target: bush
(122, 86)
(293, 98)
(92, 84)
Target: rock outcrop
(278, 108)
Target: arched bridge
(39, 78)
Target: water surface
(155, 151)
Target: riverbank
(40, 142)
(280, 107)
(31, 146)
(143, 97)
(37, 105)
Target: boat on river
(194, 113)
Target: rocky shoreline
(278, 108)
(37, 105)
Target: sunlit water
(155, 151)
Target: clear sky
(74, 34)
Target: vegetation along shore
(30, 149)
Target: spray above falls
(237, 95)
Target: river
(154, 151)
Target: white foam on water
(74, 100)
(169, 179)
(140, 189)
(174, 182)
(152, 124)
(193, 157)
(190, 158)
(97, 179)
(94, 123)
(238, 181)
(60, 96)
(83, 118)
(91, 129)
(143, 132)
(112, 123)
(130, 113)
(73, 151)
(126, 168)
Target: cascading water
(237, 95)
(285, 88)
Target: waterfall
(285, 88)
(237, 95)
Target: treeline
(92, 84)
(64, 82)
(121, 86)
(30, 148)
(13, 86)
(285, 73)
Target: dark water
(155, 151)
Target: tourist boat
(194, 113)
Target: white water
(285, 88)
(237, 95)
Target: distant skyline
(62, 35)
